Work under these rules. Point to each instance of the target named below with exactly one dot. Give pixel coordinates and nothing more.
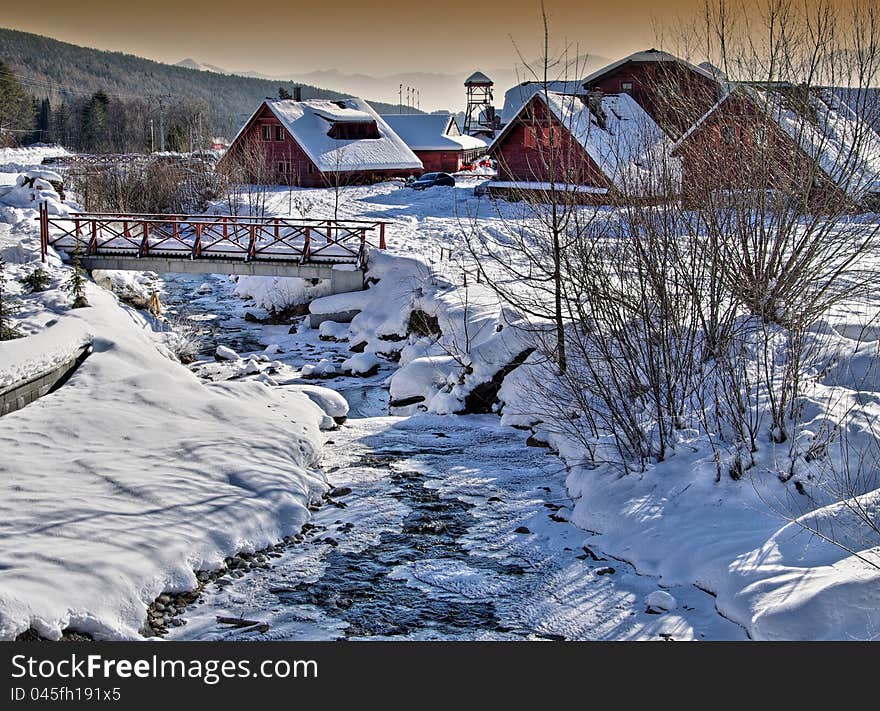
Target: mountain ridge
(59, 70)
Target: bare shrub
(184, 339)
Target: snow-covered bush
(184, 339)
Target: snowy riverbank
(134, 474)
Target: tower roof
(478, 79)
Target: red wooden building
(604, 148)
(673, 92)
(436, 140)
(785, 139)
(316, 143)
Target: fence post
(44, 231)
(197, 247)
(252, 244)
(145, 242)
(307, 247)
(381, 235)
(93, 242)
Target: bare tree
(525, 264)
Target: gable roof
(843, 145)
(308, 123)
(648, 55)
(431, 132)
(478, 78)
(516, 97)
(628, 146)
(830, 136)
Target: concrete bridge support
(343, 278)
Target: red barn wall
(671, 94)
(747, 160)
(440, 161)
(519, 162)
(302, 171)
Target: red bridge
(215, 244)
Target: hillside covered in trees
(128, 92)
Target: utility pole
(400, 99)
(152, 138)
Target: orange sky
(278, 37)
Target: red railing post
(252, 244)
(381, 235)
(307, 247)
(225, 229)
(277, 230)
(329, 234)
(145, 242)
(197, 247)
(93, 242)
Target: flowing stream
(437, 528)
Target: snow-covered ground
(134, 473)
(250, 436)
(732, 538)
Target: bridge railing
(237, 237)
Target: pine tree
(175, 140)
(37, 280)
(93, 116)
(44, 122)
(7, 330)
(76, 284)
(16, 108)
(284, 93)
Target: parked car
(430, 180)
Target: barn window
(626, 87)
(354, 130)
(284, 166)
(279, 133)
(311, 168)
(530, 140)
(267, 132)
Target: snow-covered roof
(647, 55)
(308, 122)
(845, 147)
(431, 132)
(516, 97)
(627, 144)
(478, 78)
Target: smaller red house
(599, 148)
(316, 143)
(436, 140)
(782, 138)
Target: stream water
(439, 528)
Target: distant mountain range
(437, 91)
(59, 70)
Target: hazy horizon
(292, 40)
